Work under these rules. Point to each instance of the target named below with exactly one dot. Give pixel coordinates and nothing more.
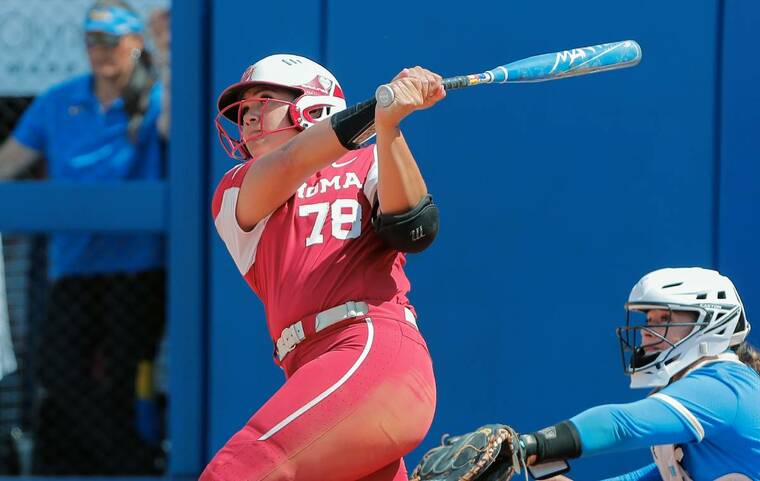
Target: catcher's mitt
(492, 453)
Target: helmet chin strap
(641, 358)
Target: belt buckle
(289, 338)
(352, 310)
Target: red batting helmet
(318, 95)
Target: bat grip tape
(458, 82)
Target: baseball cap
(112, 19)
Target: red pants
(356, 400)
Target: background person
(105, 309)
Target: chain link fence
(85, 398)
(88, 395)
(16, 389)
(24, 276)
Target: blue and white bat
(539, 68)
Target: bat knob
(384, 95)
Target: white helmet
(720, 323)
(318, 96)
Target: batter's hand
(414, 88)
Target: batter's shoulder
(232, 179)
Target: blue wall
(739, 222)
(241, 373)
(555, 197)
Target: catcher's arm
(547, 450)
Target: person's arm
(624, 427)
(276, 176)
(606, 429)
(27, 143)
(400, 185)
(273, 178)
(161, 34)
(700, 405)
(16, 158)
(647, 473)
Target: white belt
(295, 333)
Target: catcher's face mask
(652, 331)
(677, 316)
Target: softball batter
(318, 225)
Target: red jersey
(319, 249)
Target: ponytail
(749, 355)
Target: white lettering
(312, 190)
(342, 212)
(301, 190)
(352, 179)
(353, 217)
(572, 55)
(334, 182)
(417, 233)
(321, 210)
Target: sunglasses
(101, 39)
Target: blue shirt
(82, 142)
(720, 435)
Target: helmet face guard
(637, 355)
(317, 96)
(231, 132)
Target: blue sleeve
(624, 427)
(647, 473)
(30, 130)
(708, 397)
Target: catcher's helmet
(720, 322)
(318, 95)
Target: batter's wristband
(355, 125)
(558, 442)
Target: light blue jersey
(713, 413)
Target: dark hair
(748, 355)
(136, 94)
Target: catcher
(684, 337)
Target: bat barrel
(570, 63)
(539, 68)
